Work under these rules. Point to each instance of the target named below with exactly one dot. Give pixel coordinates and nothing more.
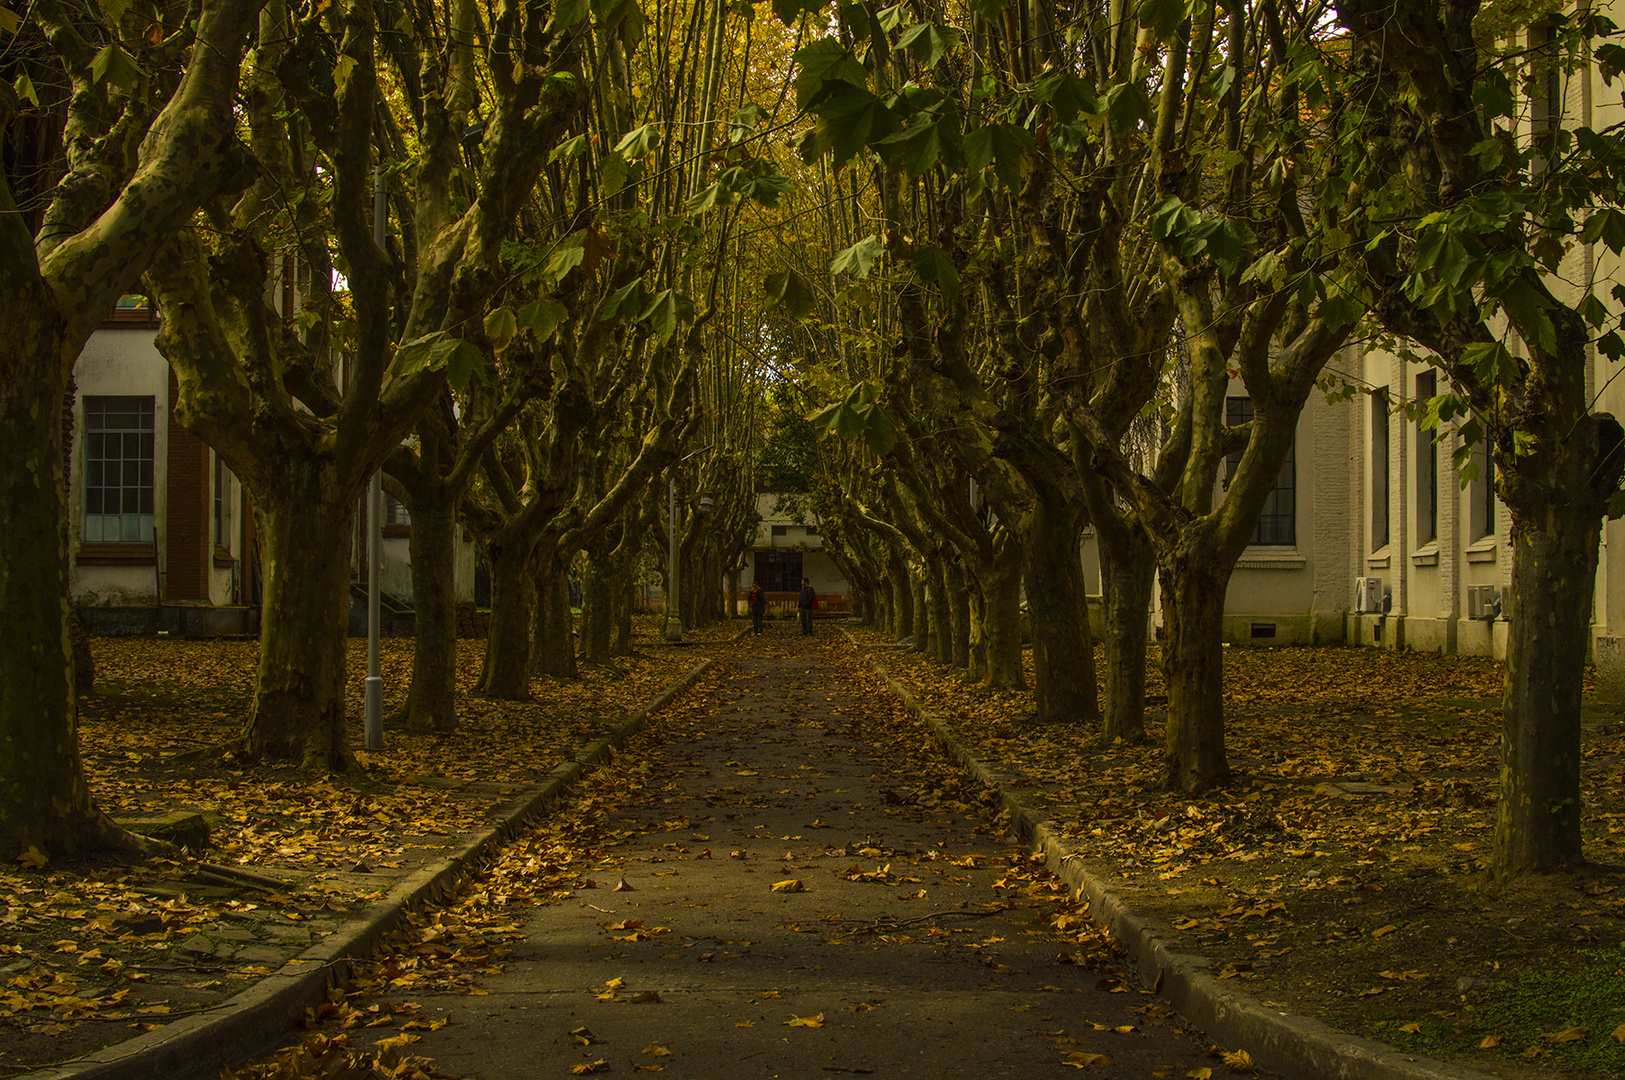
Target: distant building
(788, 549)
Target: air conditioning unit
(1368, 596)
(1483, 602)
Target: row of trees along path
(784, 876)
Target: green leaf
(789, 11)
(988, 9)
(744, 122)
(927, 43)
(664, 311)
(849, 118)
(920, 148)
(934, 265)
(787, 290)
(1126, 107)
(25, 88)
(1007, 148)
(1491, 362)
(1492, 92)
(567, 13)
(568, 150)
(822, 63)
(118, 67)
(501, 326)
(440, 351)
(567, 256)
(1067, 95)
(622, 18)
(342, 67)
(712, 197)
(639, 142)
(114, 9)
(623, 301)
(1607, 225)
(465, 362)
(612, 173)
(543, 317)
(1527, 309)
(1162, 17)
(857, 259)
(9, 20)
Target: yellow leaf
(1081, 1060)
(1239, 1061)
(396, 1040)
(588, 1067)
(791, 885)
(1411, 1029)
(1200, 1073)
(1490, 1042)
(815, 1021)
(1619, 1034)
(656, 1051)
(1573, 1034)
(33, 858)
(1383, 930)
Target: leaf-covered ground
(93, 953)
(1343, 874)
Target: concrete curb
(1278, 1041)
(206, 1042)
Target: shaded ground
(1342, 875)
(93, 953)
(781, 876)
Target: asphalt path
(916, 942)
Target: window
(118, 470)
(394, 512)
(781, 530)
(222, 505)
(1278, 524)
(1379, 471)
(778, 571)
(1481, 494)
(1427, 466)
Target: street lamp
(373, 689)
(674, 620)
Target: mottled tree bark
(1193, 665)
(431, 701)
(1001, 616)
(552, 622)
(1063, 647)
(1126, 581)
(959, 589)
(506, 674)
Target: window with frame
(781, 530)
(1380, 489)
(222, 505)
(119, 448)
(1427, 465)
(1278, 524)
(395, 512)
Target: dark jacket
(805, 600)
(757, 599)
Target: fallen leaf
(1384, 930)
(1199, 1073)
(622, 886)
(1490, 1042)
(1239, 1061)
(589, 1067)
(1618, 1034)
(1573, 1034)
(33, 858)
(815, 1021)
(656, 1051)
(1411, 1029)
(790, 885)
(1081, 1060)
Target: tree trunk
(1193, 665)
(976, 667)
(922, 611)
(902, 605)
(959, 612)
(1058, 607)
(506, 675)
(622, 590)
(555, 652)
(1001, 616)
(1126, 581)
(598, 587)
(1554, 565)
(942, 622)
(431, 703)
(47, 802)
(305, 532)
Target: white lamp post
(373, 688)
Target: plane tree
(143, 104)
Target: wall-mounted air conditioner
(1368, 596)
(1483, 602)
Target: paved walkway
(919, 944)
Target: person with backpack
(757, 602)
(805, 603)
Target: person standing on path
(804, 606)
(757, 602)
